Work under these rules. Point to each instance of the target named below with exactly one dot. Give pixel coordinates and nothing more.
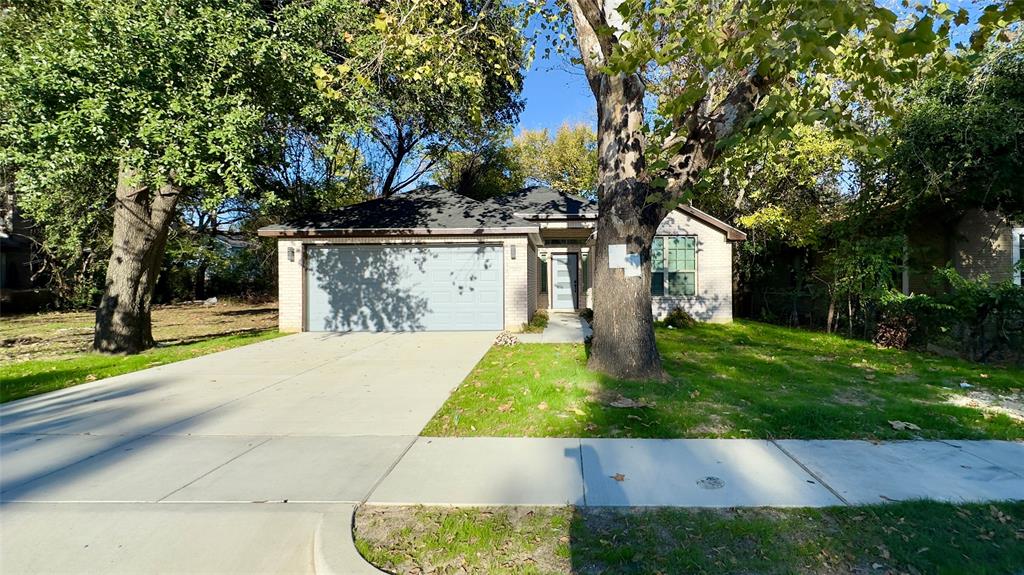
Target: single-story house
(431, 259)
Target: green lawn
(911, 538)
(744, 379)
(31, 377)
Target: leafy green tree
(444, 75)
(566, 162)
(724, 70)
(486, 169)
(958, 142)
(171, 96)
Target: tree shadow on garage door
(361, 288)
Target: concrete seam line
(215, 468)
(387, 472)
(971, 453)
(811, 473)
(583, 474)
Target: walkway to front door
(564, 281)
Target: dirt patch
(1010, 404)
(714, 427)
(62, 334)
(853, 397)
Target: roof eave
(531, 216)
(278, 232)
(731, 234)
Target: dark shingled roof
(540, 201)
(425, 210)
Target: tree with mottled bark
(678, 82)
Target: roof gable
(731, 234)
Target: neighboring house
(19, 289)
(976, 242)
(434, 260)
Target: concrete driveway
(223, 463)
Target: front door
(564, 281)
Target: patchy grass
(494, 541)
(904, 538)
(49, 351)
(67, 334)
(745, 379)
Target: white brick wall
(291, 276)
(289, 285)
(532, 277)
(713, 301)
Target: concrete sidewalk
(699, 472)
(228, 463)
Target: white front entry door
(564, 281)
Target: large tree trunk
(142, 218)
(623, 344)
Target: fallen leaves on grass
(903, 425)
(624, 402)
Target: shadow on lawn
(177, 342)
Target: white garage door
(404, 288)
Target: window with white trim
(674, 266)
(1017, 254)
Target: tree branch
(693, 143)
(588, 19)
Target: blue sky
(556, 92)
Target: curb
(334, 549)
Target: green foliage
(537, 323)
(434, 77)
(72, 234)
(979, 319)
(988, 318)
(177, 90)
(826, 61)
(565, 162)
(957, 141)
(678, 318)
(486, 169)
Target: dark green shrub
(979, 320)
(679, 319)
(537, 323)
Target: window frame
(663, 270)
(1015, 253)
(542, 276)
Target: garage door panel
(391, 288)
